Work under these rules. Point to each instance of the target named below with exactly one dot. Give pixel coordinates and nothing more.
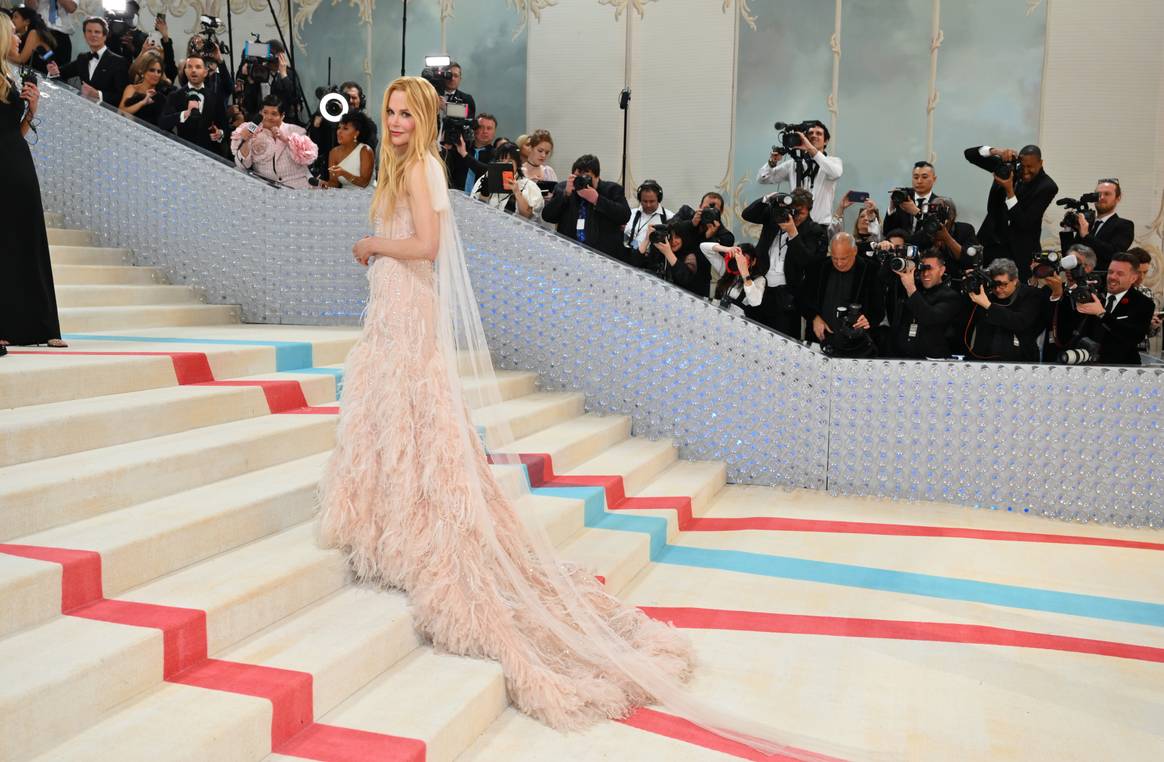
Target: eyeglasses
(1000, 284)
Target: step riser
(37, 435)
(41, 386)
(87, 319)
(533, 422)
(98, 275)
(63, 237)
(48, 505)
(88, 255)
(124, 296)
(54, 220)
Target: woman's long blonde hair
(424, 103)
(7, 31)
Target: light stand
(403, 35)
(624, 103)
(290, 52)
(230, 36)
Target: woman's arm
(26, 49)
(132, 108)
(366, 162)
(712, 252)
(332, 181)
(520, 202)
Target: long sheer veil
(461, 339)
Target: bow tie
(94, 56)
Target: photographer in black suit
(1119, 322)
(103, 73)
(195, 112)
(833, 289)
(1004, 325)
(903, 215)
(588, 209)
(923, 322)
(467, 163)
(1109, 233)
(1019, 197)
(793, 243)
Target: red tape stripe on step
(661, 723)
(541, 470)
(289, 691)
(282, 396)
(330, 743)
(941, 632)
(184, 658)
(189, 367)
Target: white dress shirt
(753, 294)
(94, 61)
(637, 227)
(823, 187)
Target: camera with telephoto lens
(896, 258)
(970, 276)
(935, 218)
(781, 206)
(1087, 286)
(1077, 206)
(1005, 169)
(581, 182)
(789, 140)
(848, 340)
(211, 25)
(1084, 352)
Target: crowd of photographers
(914, 282)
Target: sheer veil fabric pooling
(490, 585)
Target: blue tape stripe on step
(289, 355)
(337, 372)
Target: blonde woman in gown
(409, 495)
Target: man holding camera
(1005, 324)
(1015, 205)
(649, 212)
(453, 93)
(467, 163)
(103, 73)
(793, 242)
(906, 206)
(588, 209)
(710, 209)
(840, 299)
(1119, 322)
(808, 167)
(1062, 319)
(923, 324)
(1109, 233)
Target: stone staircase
(162, 595)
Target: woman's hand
(337, 171)
(31, 94)
(364, 249)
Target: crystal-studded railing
(1078, 443)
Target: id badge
(913, 330)
(581, 224)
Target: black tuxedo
(459, 166)
(930, 315)
(604, 219)
(196, 129)
(899, 219)
(110, 77)
(1120, 331)
(1013, 233)
(1114, 235)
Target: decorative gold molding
(744, 12)
(527, 8)
(621, 6)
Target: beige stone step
(637, 460)
(83, 275)
(575, 441)
(34, 432)
(54, 220)
(48, 493)
(48, 375)
(146, 541)
(62, 254)
(66, 237)
(445, 701)
(526, 415)
(123, 295)
(701, 481)
(242, 592)
(81, 319)
(511, 384)
(616, 556)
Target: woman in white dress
(541, 147)
(349, 164)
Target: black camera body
(896, 258)
(210, 26)
(120, 23)
(1081, 205)
(849, 341)
(708, 215)
(789, 140)
(935, 218)
(899, 196)
(781, 206)
(976, 280)
(660, 234)
(258, 57)
(1088, 286)
(1005, 169)
(582, 182)
(438, 77)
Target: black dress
(28, 303)
(153, 112)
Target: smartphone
(857, 197)
(27, 77)
(160, 16)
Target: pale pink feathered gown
(394, 497)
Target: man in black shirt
(593, 215)
(453, 94)
(719, 232)
(1109, 233)
(843, 281)
(923, 324)
(467, 163)
(1120, 321)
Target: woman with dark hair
(741, 274)
(274, 149)
(349, 164)
(519, 194)
(146, 96)
(35, 38)
(28, 302)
